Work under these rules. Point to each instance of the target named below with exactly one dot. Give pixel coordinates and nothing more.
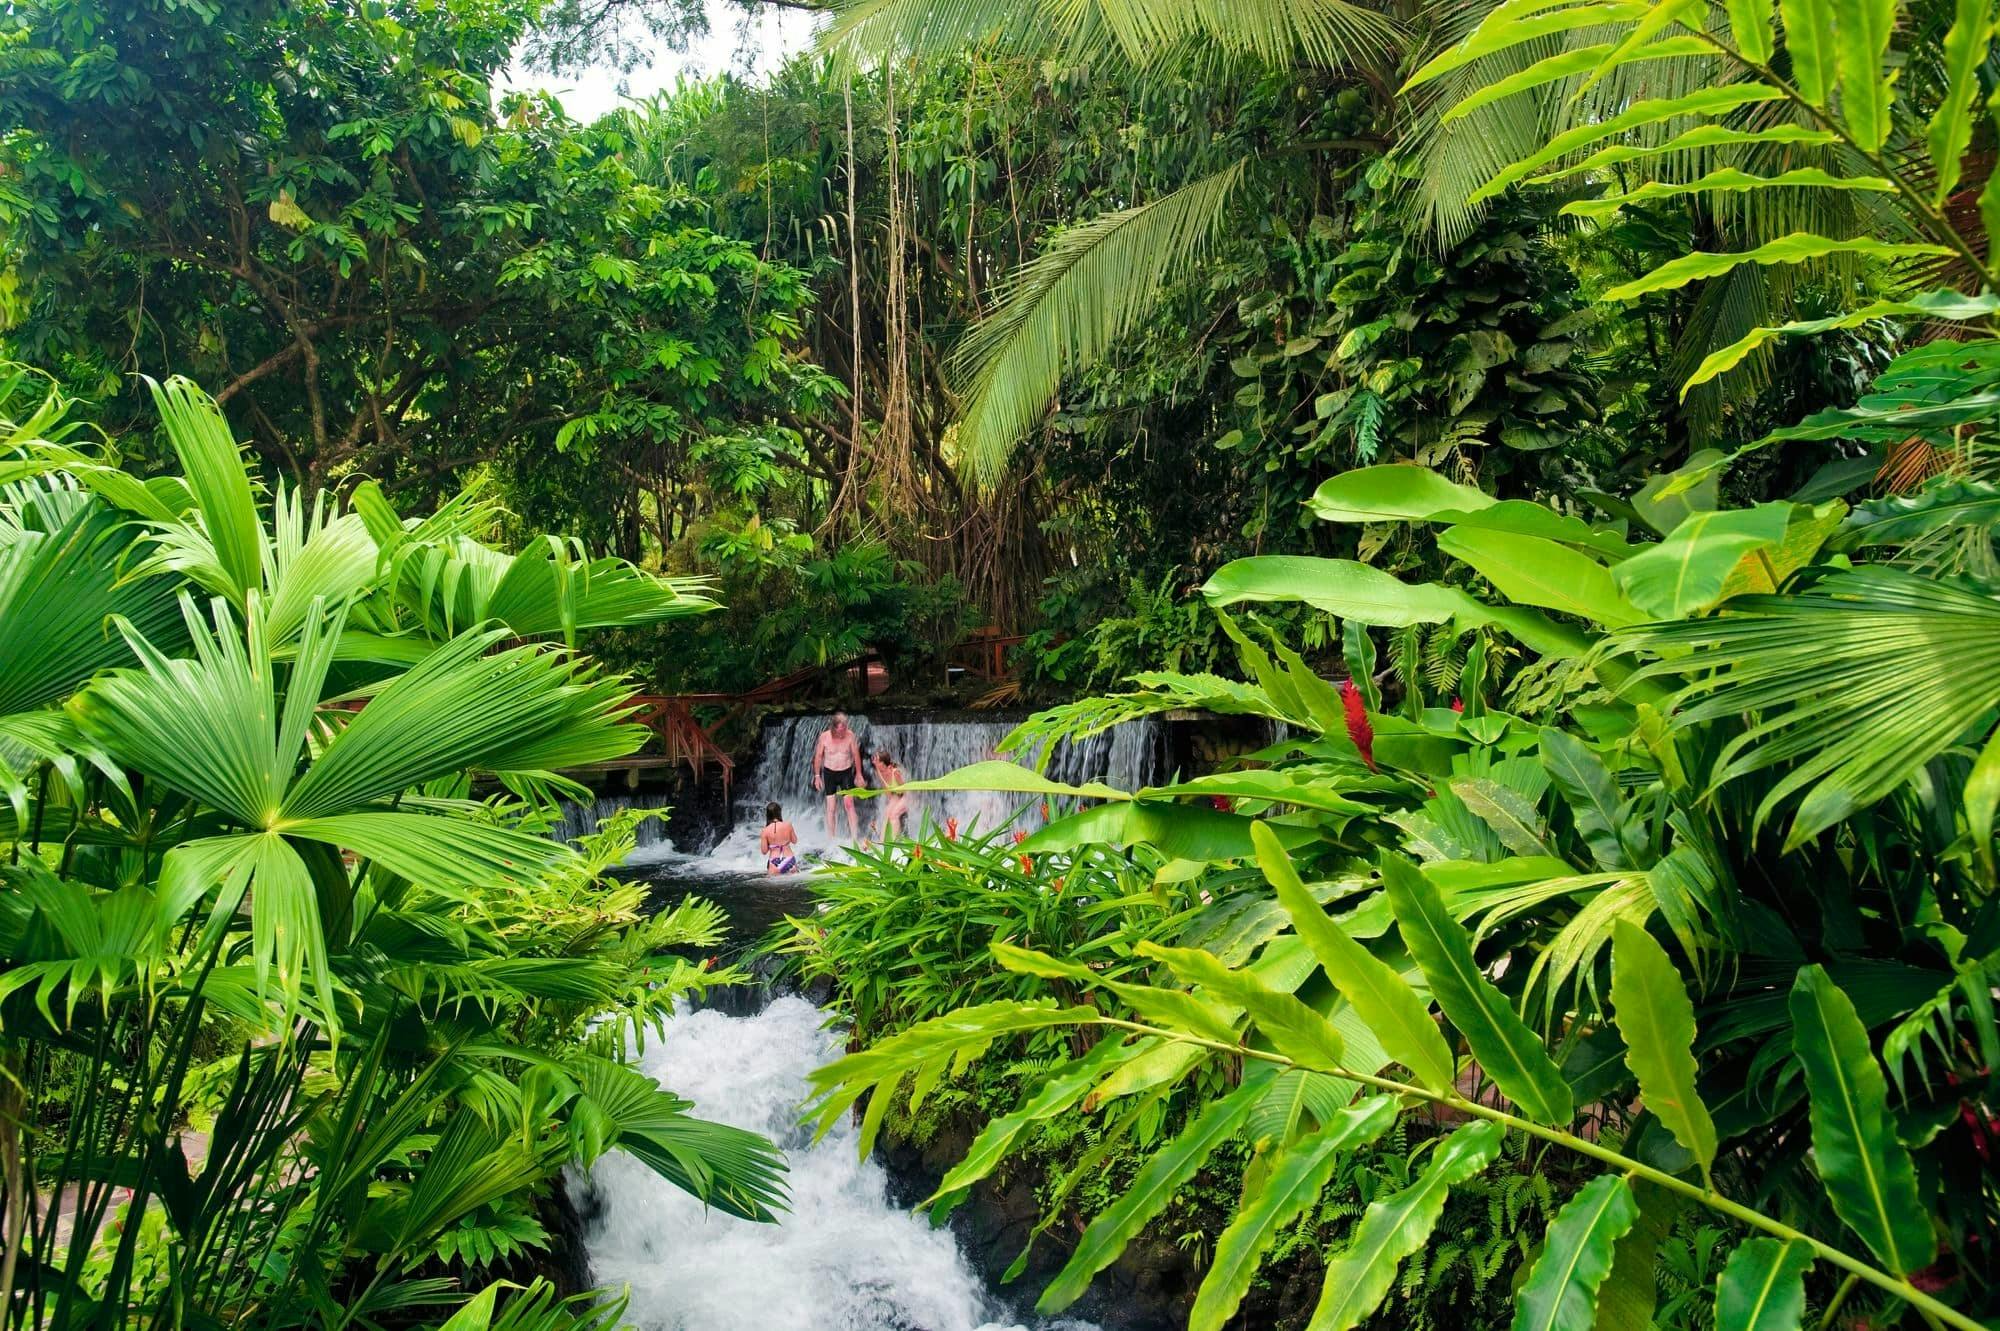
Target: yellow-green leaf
(1400, 1020)
(1728, 180)
(1296, 1179)
(1799, 247)
(1861, 46)
(1560, 1293)
(1391, 1229)
(1656, 1018)
(1763, 1288)
(1950, 131)
(1750, 25)
(1809, 39)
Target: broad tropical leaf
(1656, 1018)
(1866, 1170)
(1560, 1293)
(1398, 1018)
(1506, 1049)
(1391, 1229)
(1763, 1287)
(1163, 1174)
(1295, 1181)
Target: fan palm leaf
(1850, 686)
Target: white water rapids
(842, 1259)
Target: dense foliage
(1658, 829)
(298, 1021)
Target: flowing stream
(845, 1257)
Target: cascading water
(841, 1259)
(580, 820)
(844, 1257)
(1126, 756)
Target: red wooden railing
(683, 739)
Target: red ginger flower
(1458, 704)
(1358, 728)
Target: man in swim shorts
(836, 761)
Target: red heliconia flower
(951, 829)
(1358, 728)
(1458, 704)
(1059, 887)
(1222, 803)
(1045, 811)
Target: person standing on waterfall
(836, 765)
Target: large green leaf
(1353, 590)
(1507, 28)
(1946, 305)
(1163, 1175)
(1506, 1049)
(1750, 26)
(1399, 1019)
(59, 591)
(1726, 180)
(1391, 1229)
(1809, 43)
(1394, 492)
(1591, 792)
(1763, 1286)
(1295, 1181)
(1701, 136)
(219, 482)
(1799, 247)
(1685, 572)
(1529, 570)
(1702, 102)
(1865, 1168)
(1295, 1030)
(1091, 285)
(1914, 660)
(1063, 1089)
(1950, 130)
(1862, 29)
(1569, 64)
(1656, 1018)
(1560, 1293)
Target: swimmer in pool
(780, 842)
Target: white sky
(753, 43)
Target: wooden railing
(683, 739)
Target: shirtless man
(836, 764)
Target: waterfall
(842, 1258)
(1126, 756)
(579, 820)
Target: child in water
(780, 842)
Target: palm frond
(1852, 686)
(1065, 309)
(1326, 32)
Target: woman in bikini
(887, 775)
(780, 841)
